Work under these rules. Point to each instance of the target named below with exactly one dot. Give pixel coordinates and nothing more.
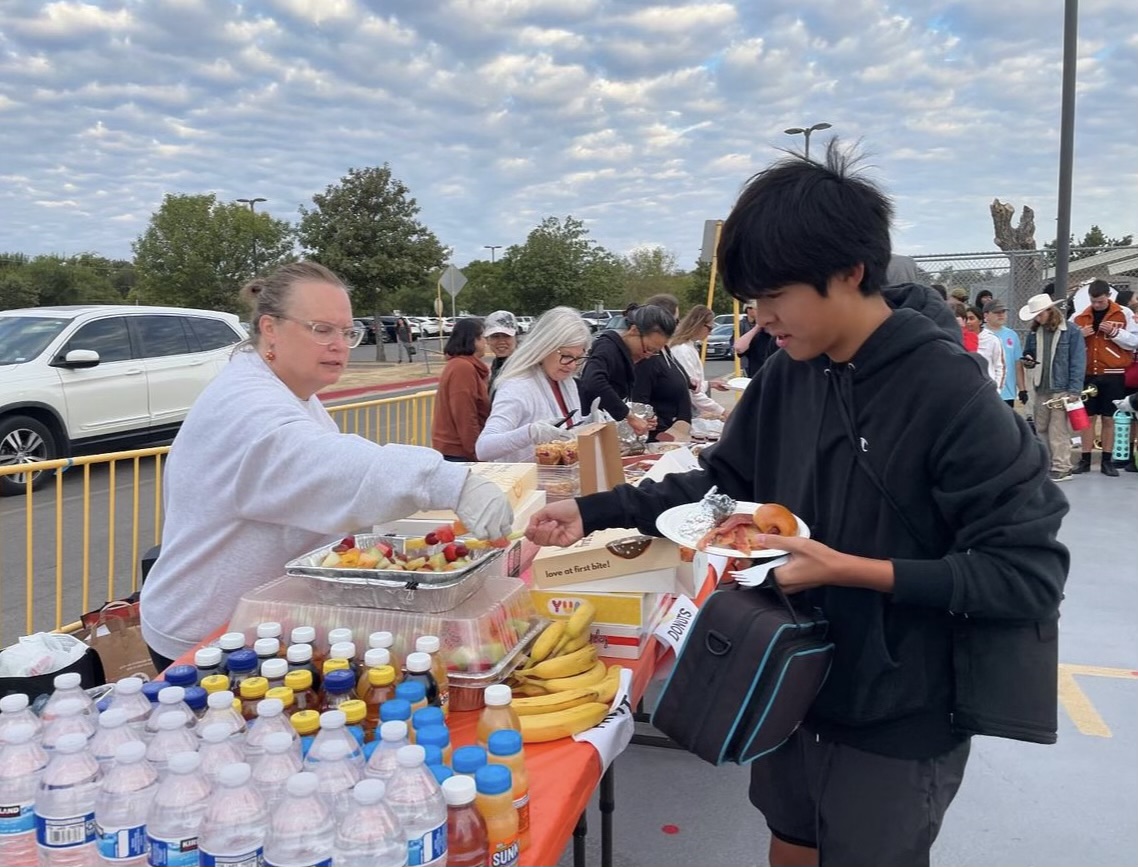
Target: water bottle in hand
(175, 816)
(301, 828)
(234, 826)
(415, 797)
(22, 763)
(370, 834)
(65, 805)
(121, 806)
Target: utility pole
(805, 131)
(492, 248)
(252, 203)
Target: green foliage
(366, 229)
(1096, 237)
(197, 252)
(53, 280)
(484, 291)
(696, 289)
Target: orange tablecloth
(563, 774)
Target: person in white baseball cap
(500, 329)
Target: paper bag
(598, 451)
(115, 633)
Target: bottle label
(245, 859)
(522, 806)
(65, 833)
(121, 843)
(504, 853)
(327, 862)
(17, 818)
(429, 849)
(179, 852)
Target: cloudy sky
(642, 118)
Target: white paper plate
(739, 383)
(670, 523)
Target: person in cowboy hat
(1052, 364)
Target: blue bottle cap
(441, 772)
(242, 660)
(438, 736)
(411, 691)
(196, 697)
(340, 680)
(434, 754)
(493, 780)
(151, 688)
(467, 760)
(427, 716)
(505, 742)
(395, 708)
(181, 675)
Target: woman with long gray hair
(535, 389)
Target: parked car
(367, 323)
(428, 327)
(525, 323)
(101, 377)
(729, 319)
(720, 340)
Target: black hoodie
(609, 374)
(981, 515)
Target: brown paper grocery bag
(115, 632)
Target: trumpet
(1060, 400)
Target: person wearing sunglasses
(260, 473)
(536, 389)
(610, 371)
(661, 382)
(694, 327)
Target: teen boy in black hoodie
(971, 529)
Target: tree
(484, 291)
(696, 289)
(1026, 268)
(1095, 238)
(197, 252)
(651, 270)
(366, 229)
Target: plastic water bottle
(196, 701)
(301, 828)
(417, 800)
(22, 762)
(280, 760)
(67, 686)
(234, 826)
(218, 750)
(122, 804)
(175, 815)
(220, 709)
(173, 737)
(270, 719)
(171, 699)
(113, 730)
(14, 711)
(337, 776)
(370, 834)
(69, 717)
(181, 675)
(333, 728)
(65, 805)
(128, 697)
(382, 764)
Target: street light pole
(492, 248)
(805, 132)
(252, 203)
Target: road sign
(453, 280)
(710, 237)
(438, 305)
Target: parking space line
(1077, 703)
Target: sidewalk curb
(379, 388)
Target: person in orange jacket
(462, 403)
(1111, 337)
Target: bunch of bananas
(563, 688)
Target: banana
(547, 641)
(553, 702)
(590, 678)
(569, 645)
(542, 727)
(581, 620)
(606, 689)
(528, 690)
(562, 666)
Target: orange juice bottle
(215, 683)
(429, 644)
(374, 658)
(304, 697)
(506, 749)
(380, 688)
(497, 714)
(253, 689)
(412, 692)
(495, 802)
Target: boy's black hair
(801, 221)
(1098, 288)
(462, 338)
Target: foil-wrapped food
(630, 443)
(714, 509)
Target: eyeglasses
(571, 360)
(325, 333)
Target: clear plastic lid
(231, 641)
(459, 790)
(123, 686)
(269, 629)
(498, 695)
(236, 774)
(17, 701)
(298, 654)
(381, 639)
(208, 657)
(172, 695)
(130, 752)
(369, 792)
(427, 644)
(302, 635)
(220, 699)
(410, 756)
(68, 680)
(302, 785)
(418, 662)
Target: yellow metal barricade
(78, 540)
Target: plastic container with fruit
(559, 483)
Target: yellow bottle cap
(335, 665)
(215, 683)
(354, 711)
(299, 680)
(382, 675)
(254, 687)
(284, 693)
(306, 722)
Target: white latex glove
(484, 509)
(545, 432)
(596, 413)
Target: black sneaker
(1057, 476)
(1108, 468)
(1132, 467)
(1083, 466)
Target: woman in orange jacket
(462, 403)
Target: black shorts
(857, 809)
(1111, 387)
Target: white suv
(99, 377)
